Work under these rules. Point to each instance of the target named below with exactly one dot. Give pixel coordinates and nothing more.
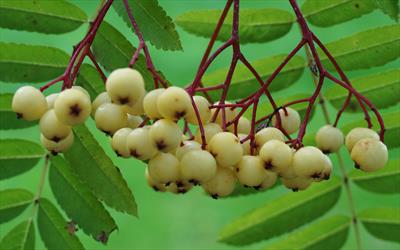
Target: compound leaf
(390, 8)
(90, 80)
(383, 223)
(385, 180)
(327, 233)
(392, 126)
(374, 87)
(255, 26)
(243, 82)
(330, 12)
(365, 49)
(77, 200)
(89, 161)
(53, 228)
(21, 237)
(284, 214)
(30, 63)
(18, 156)
(51, 17)
(113, 50)
(13, 202)
(8, 117)
(154, 23)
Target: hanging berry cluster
(226, 147)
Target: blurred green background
(192, 221)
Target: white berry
(329, 139)
(57, 147)
(198, 166)
(164, 168)
(174, 103)
(140, 145)
(309, 162)
(269, 180)
(203, 107)
(137, 108)
(226, 149)
(267, 134)
(29, 103)
(297, 183)
(119, 142)
(156, 186)
(52, 128)
(290, 120)
(165, 135)
(150, 103)
(110, 117)
(209, 131)
(72, 107)
(179, 187)
(245, 145)
(369, 154)
(357, 134)
(99, 100)
(222, 184)
(250, 171)
(185, 147)
(277, 155)
(51, 99)
(134, 121)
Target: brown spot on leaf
(103, 237)
(71, 227)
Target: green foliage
(330, 12)
(255, 26)
(113, 50)
(89, 161)
(30, 63)
(385, 180)
(365, 49)
(52, 228)
(383, 223)
(90, 80)
(243, 82)
(154, 23)
(51, 17)
(77, 200)
(8, 117)
(373, 87)
(21, 237)
(282, 215)
(327, 233)
(390, 8)
(18, 156)
(13, 202)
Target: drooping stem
(40, 187)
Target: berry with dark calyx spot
(150, 103)
(125, 86)
(198, 166)
(226, 149)
(158, 187)
(99, 100)
(165, 135)
(139, 144)
(357, 134)
(326, 172)
(137, 108)
(29, 103)
(269, 181)
(57, 147)
(297, 184)
(209, 131)
(52, 128)
(110, 117)
(290, 120)
(250, 171)
(222, 184)
(309, 162)
(267, 134)
(277, 155)
(164, 168)
(134, 121)
(174, 103)
(119, 142)
(185, 147)
(51, 99)
(72, 107)
(203, 107)
(179, 187)
(369, 154)
(329, 139)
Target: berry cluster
(156, 127)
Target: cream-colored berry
(329, 139)
(230, 114)
(198, 166)
(125, 86)
(309, 162)
(267, 134)
(226, 149)
(222, 184)
(179, 187)
(210, 130)
(277, 155)
(245, 145)
(327, 171)
(82, 90)
(134, 121)
(99, 100)
(297, 184)
(119, 142)
(158, 187)
(165, 135)
(57, 147)
(185, 147)
(51, 99)
(288, 173)
(174, 103)
(29, 103)
(164, 168)
(269, 180)
(357, 134)
(150, 103)
(203, 107)
(244, 125)
(52, 128)
(250, 171)
(72, 107)
(140, 145)
(137, 108)
(369, 154)
(290, 120)
(110, 117)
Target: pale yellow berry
(267, 134)
(150, 103)
(174, 103)
(179, 187)
(326, 172)
(297, 183)
(210, 130)
(82, 90)
(51, 99)
(57, 147)
(119, 142)
(134, 121)
(369, 154)
(52, 128)
(198, 166)
(137, 108)
(203, 107)
(226, 149)
(29, 103)
(245, 145)
(309, 162)
(290, 120)
(164, 168)
(72, 107)
(165, 135)
(110, 117)
(140, 145)
(99, 100)
(222, 184)
(269, 180)
(185, 147)
(244, 125)
(230, 114)
(329, 139)
(158, 187)
(277, 155)
(250, 171)
(357, 134)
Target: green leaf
(8, 117)
(365, 49)
(328, 233)
(89, 161)
(30, 63)
(21, 237)
(51, 17)
(243, 82)
(13, 202)
(374, 87)
(18, 156)
(154, 23)
(90, 80)
(383, 223)
(390, 8)
(385, 180)
(392, 126)
(77, 200)
(113, 51)
(53, 228)
(284, 214)
(255, 26)
(330, 12)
